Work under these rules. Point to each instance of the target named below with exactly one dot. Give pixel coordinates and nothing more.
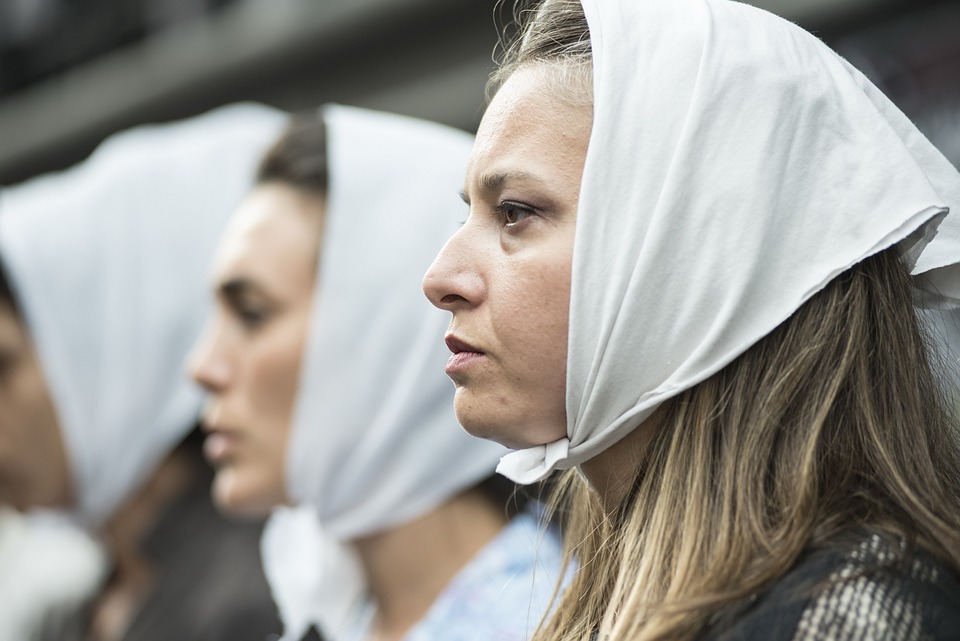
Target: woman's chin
(504, 434)
(517, 426)
(235, 496)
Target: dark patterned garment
(868, 588)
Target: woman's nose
(205, 365)
(453, 281)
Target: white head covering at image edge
(748, 165)
(109, 262)
(374, 442)
(50, 569)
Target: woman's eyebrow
(238, 287)
(493, 182)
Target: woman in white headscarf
(695, 244)
(106, 265)
(324, 366)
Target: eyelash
(249, 318)
(507, 208)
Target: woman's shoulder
(869, 587)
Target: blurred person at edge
(325, 371)
(48, 565)
(690, 275)
(48, 568)
(104, 268)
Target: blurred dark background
(74, 71)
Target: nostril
(452, 299)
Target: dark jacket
(865, 588)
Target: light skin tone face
(505, 275)
(249, 355)
(33, 464)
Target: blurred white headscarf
(736, 165)
(108, 260)
(374, 442)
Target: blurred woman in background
(105, 267)
(48, 565)
(324, 366)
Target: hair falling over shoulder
(836, 421)
(833, 422)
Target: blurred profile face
(33, 463)
(248, 358)
(505, 275)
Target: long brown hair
(836, 421)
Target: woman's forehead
(526, 131)
(272, 235)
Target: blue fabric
(503, 592)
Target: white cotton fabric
(374, 441)
(736, 165)
(50, 569)
(109, 263)
(315, 579)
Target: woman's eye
(512, 213)
(250, 317)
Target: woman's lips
(464, 355)
(219, 445)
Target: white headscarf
(736, 165)
(374, 442)
(108, 260)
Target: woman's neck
(612, 472)
(408, 567)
